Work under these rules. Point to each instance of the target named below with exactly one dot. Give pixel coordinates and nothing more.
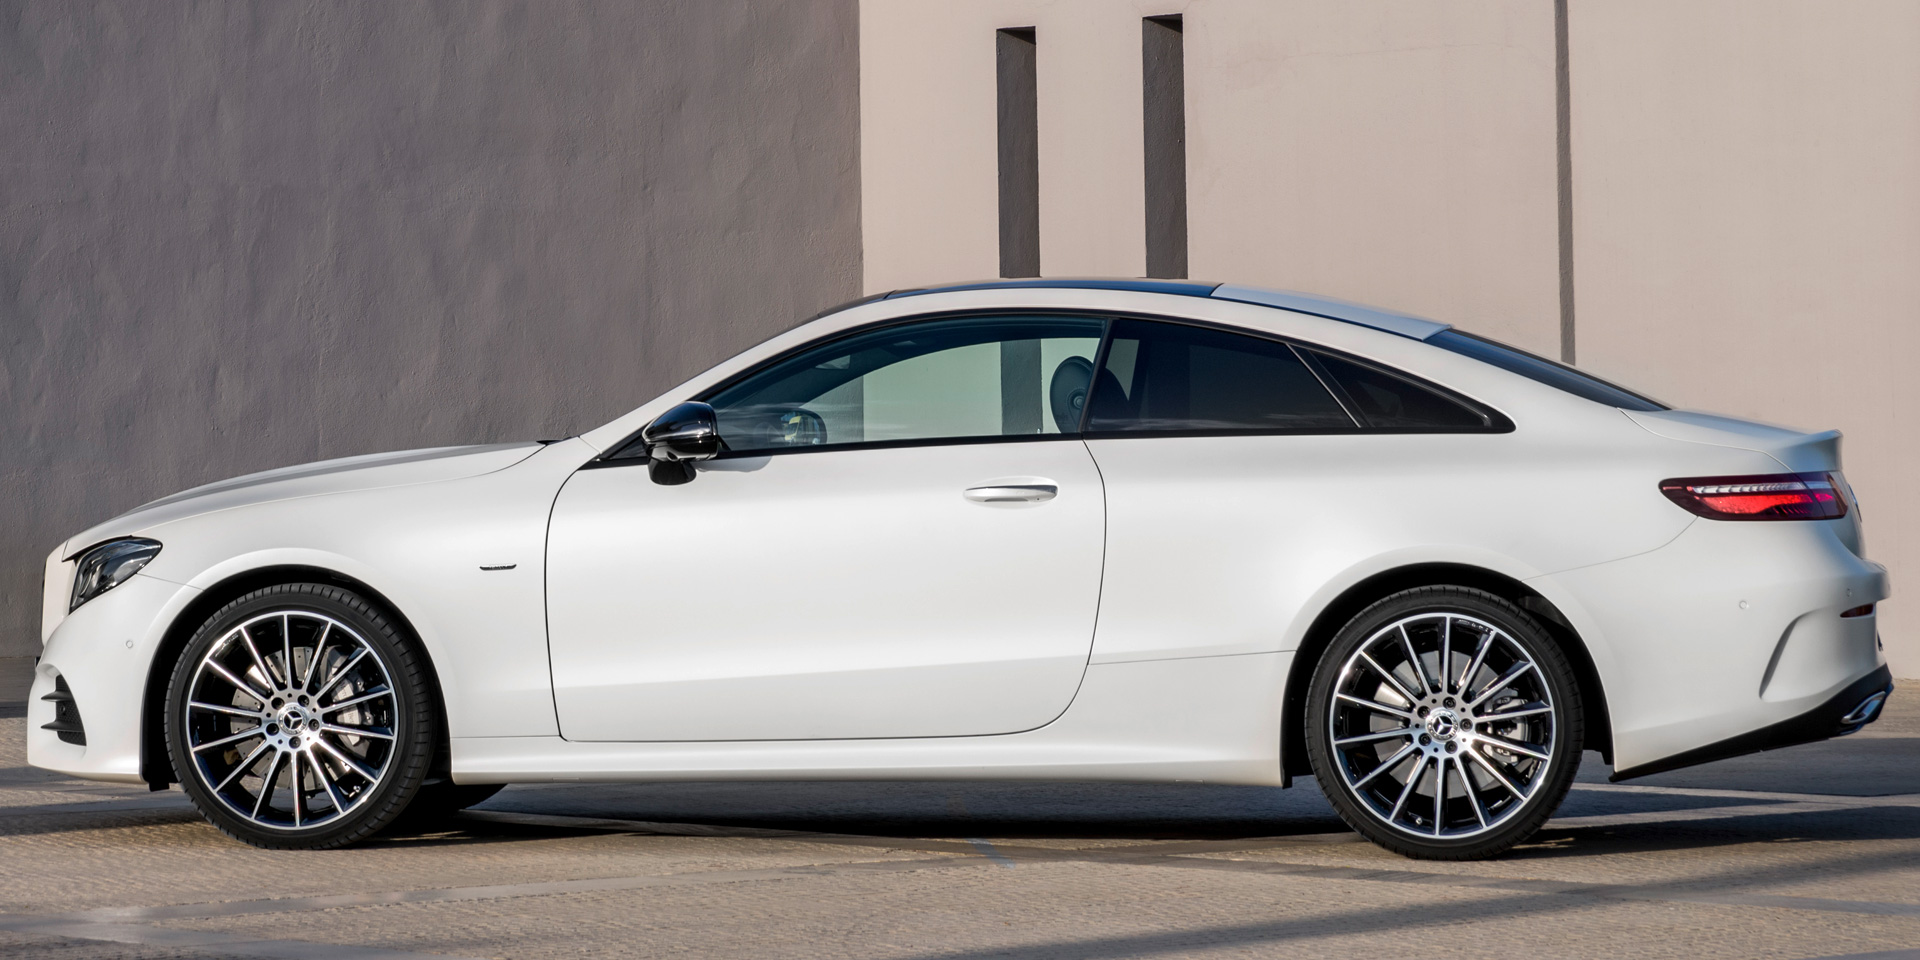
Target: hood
(309, 480)
(1796, 450)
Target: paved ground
(1808, 852)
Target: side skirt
(1207, 719)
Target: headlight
(107, 566)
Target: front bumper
(103, 653)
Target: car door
(1241, 471)
(902, 539)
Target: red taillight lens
(1768, 496)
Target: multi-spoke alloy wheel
(1447, 723)
(298, 723)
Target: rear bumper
(1730, 630)
(1847, 711)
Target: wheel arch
(156, 767)
(1333, 616)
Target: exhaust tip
(1867, 711)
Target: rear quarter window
(1389, 401)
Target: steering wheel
(801, 427)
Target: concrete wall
(1396, 153)
(1746, 179)
(240, 235)
(1400, 153)
(929, 170)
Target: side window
(1391, 402)
(1168, 377)
(973, 377)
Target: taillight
(1768, 496)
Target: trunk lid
(1797, 451)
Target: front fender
(403, 597)
(462, 561)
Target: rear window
(1542, 370)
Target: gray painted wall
(238, 235)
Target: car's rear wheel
(299, 717)
(1444, 723)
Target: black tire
(341, 700)
(1506, 749)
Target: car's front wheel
(1444, 723)
(299, 717)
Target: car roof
(1391, 321)
(1187, 288)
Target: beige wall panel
(1092, 182)
(1395, 153)
(1747, 223)
(928, 163)
(929, 160)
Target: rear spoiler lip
(1798, 451)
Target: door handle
(1013, 493)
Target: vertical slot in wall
(1563, 136)
(1019, 116)
(1164, 116)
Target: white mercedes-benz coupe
(1116, 530)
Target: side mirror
(677, 438)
